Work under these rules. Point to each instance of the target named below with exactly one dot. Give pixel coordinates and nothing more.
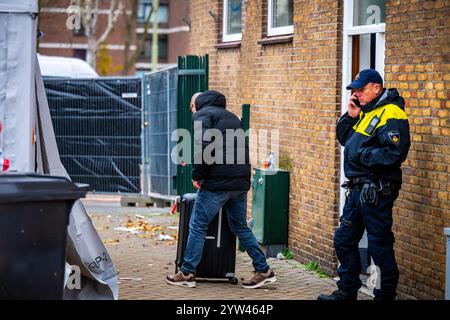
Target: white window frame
(162, 15)
(228, 37)
(279, 30)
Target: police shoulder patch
(394, 136)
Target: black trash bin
(34, 214)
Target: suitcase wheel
(233, 280)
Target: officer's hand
(196, 184)
(353, 109)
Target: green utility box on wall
(270, 206)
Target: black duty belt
(356, 181)
(384, 184)
(362, 180)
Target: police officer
(375, 134)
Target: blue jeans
(207, 205)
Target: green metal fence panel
(246, 116)
(192, 78)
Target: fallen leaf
(108, 241)
(130, 223)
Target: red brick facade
(295, 86)
(174, 32)
(61, 41)
(418, 64)
(52, 22)
(178, 41)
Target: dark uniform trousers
(377, 220)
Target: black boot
(337, 295)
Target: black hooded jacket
(377, 142)
(230, 170)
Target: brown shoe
(182, 280)
(259, 279)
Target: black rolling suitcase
(219, 252)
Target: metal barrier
(115, 133)
(160, 120)
(97, 125)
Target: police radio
(373, 123)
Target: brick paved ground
(143, 260)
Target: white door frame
(348, 32)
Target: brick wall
(417, 63)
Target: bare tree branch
(89, 15)
(113, 15)
(94, 16)
(130, 33)
(141, 41)
(86, 16)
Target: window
(80, 54)
(232, 20)
(280, 17)
(145, 7)
(367, 12)
(146, 52)
(80, 31)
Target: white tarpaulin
(85, 249)
(24, 109)
(17, 89)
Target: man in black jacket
(221, 173)
(375, 134)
